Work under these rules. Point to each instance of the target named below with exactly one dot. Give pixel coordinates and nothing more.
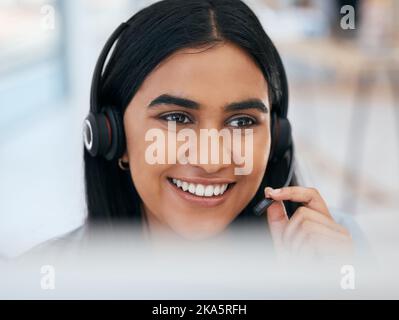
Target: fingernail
(268, 191)
(275, 191)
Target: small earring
(123, 165)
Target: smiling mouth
(201, 190)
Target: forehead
(221, 73)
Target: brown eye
(176, 117)
(240, 122)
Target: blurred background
(342, 60)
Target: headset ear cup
(285, 138)
(117, 146)
(281, 138)
(121, 146)
(96, 134)
(281, 144)
(273, 136)
(90, 135)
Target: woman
(197, 64)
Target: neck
(154, 230)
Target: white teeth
(209, 191)
(191, 188)
(216, 190)
(200, 189)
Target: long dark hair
(153, 34)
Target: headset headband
(282, 112)
(94, 96)
(94, 93)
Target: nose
(212, 151)
(211, 168)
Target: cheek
(249, 184)
(142, 172)
(260, 156)
(261, 150)
(148, 178)
(256, 148)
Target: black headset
(103, 128)
(104, 134)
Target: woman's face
(217, 88)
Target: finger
(297, 241)
(327, 246)
(302, 214)
(277, 219)
(309, 197)
(315, 230)
(306, 249)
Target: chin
(201, 231)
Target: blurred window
(32, 62)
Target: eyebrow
(253, 103)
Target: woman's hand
(311, 230)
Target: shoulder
(61, 244)
(349, 222)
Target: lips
(206, 188)
(199, 189)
